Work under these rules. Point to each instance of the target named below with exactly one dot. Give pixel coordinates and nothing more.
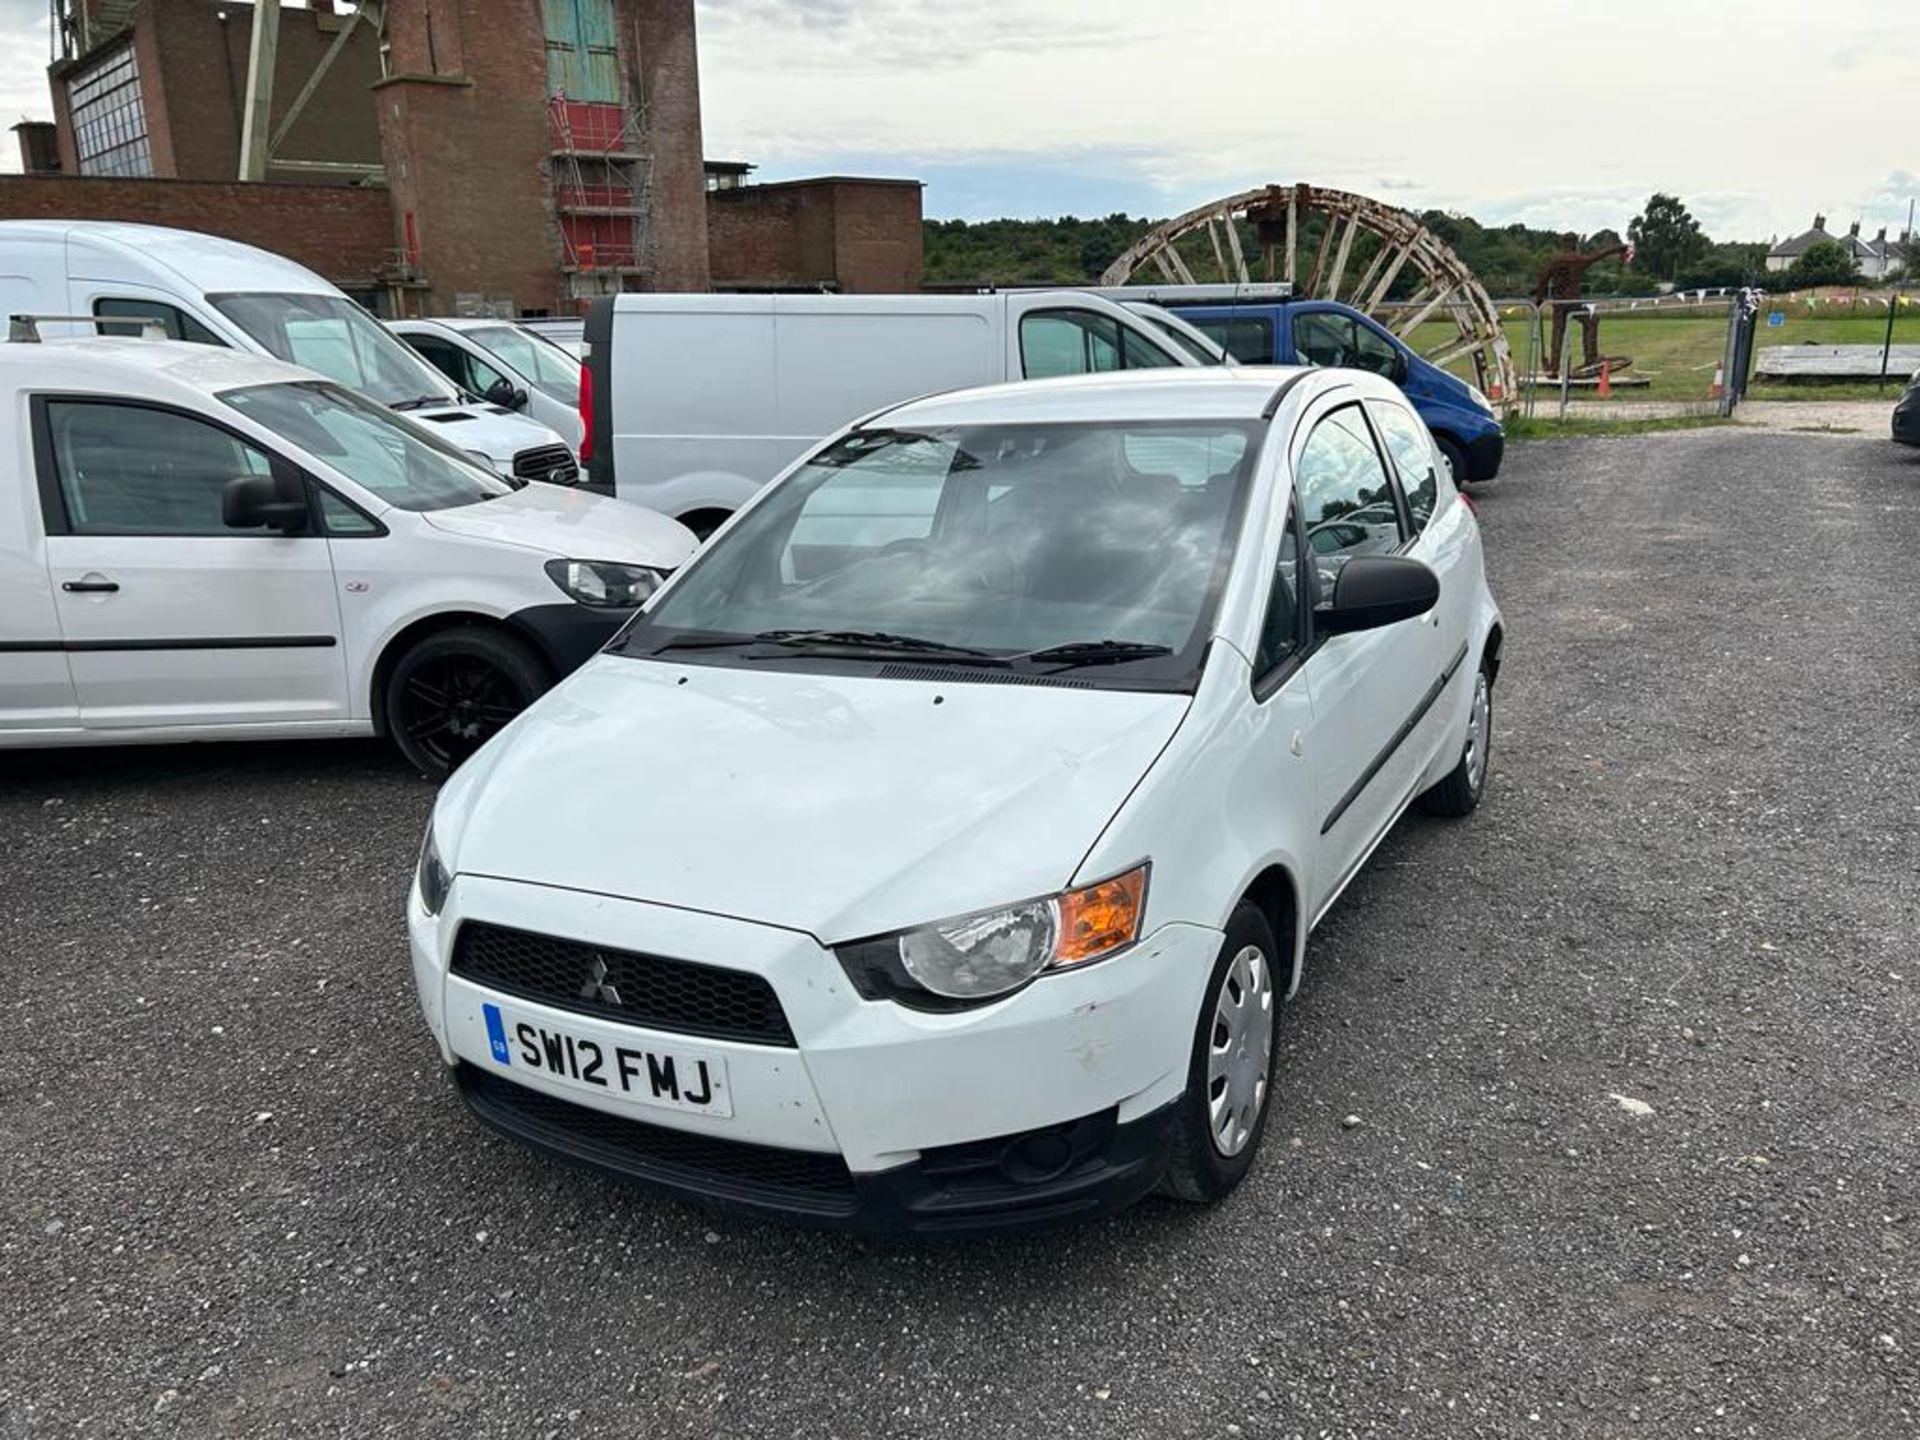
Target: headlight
(993, 952)
(1479, 398)
(604, 583)
(432, 875)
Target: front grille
(553, 463)
(681, 996)
(702, 1163)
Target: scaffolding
(603, 194)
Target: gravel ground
(238, 1197)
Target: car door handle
(90, 587)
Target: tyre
(1456, 458)
(704, 522)
(1223, 1114)
(451, 692)
(1459, 793)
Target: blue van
(1323, 332)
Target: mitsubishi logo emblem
(597, 987)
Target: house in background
(1876, 258)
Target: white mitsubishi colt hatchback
(960, 813)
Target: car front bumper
(569, 634)
(1906, 419)
(1053, 1104)
(1484, 455)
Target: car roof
(209, 263)
(1212, 392)
(138, 368)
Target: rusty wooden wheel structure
(1335, 245)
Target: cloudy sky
(1563, 114)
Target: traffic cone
(1606, 379)
(1719, 382)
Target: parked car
(1906, 414)
(507, 364)
(1264, 325)
(696, 401)
(962, 810)
(1204, 349)
(219, 292)
(203, 544)
(569, 332)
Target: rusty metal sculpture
(1383, 241)
(1558, 290)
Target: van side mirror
(1376, 590)
(256, 502)
(504, 393)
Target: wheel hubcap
(1239, 1051)
(1479, 731)
(452, 705)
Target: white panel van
(695, 401)
(218, 292)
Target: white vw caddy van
(201, 544)
(220, 292)
(995, 763)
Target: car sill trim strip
(205, 642)
(1407, 728)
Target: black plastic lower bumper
(1484, 455)
(1074, 1171)
(568, 634)
(1906, 419)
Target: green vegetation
(1825, 262)
(1506, 258)
(1666, 237)
(1520, 427)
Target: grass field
(1677, 351)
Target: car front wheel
(1230, 1074)
(453, 691)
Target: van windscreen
(331, 334)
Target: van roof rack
(25, 329)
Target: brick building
(433, 156)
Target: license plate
(676, 1079)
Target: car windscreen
(331, 334)
(1042, 547)
(401, 462)
(538, 359)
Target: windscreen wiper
(877, 640)
(1093, 652)
(420, 402)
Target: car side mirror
(504, 393)
(255, 502)
(1400, 367)
(1376, 590)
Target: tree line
(1670, 250)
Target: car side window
(340, 518)
(1413, 456)
(1323, 339)
(448, 359)
(179, 325)
(1280, 629)
(1068, 342)
(482, 377)
(1137, 352)
(133, 470)
(1373, 352)
(1346, 497)
(1247, 338)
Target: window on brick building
(109, 120)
